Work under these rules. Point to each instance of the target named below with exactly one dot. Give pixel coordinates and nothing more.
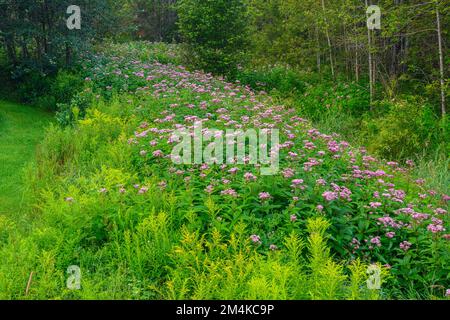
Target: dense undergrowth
(397, 128)
(108, 198)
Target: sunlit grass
(21, 128)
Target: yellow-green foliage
(211, 267)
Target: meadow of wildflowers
(110, 199)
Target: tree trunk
(441, 59)
(328, 39)
(318, 48)
(371, 76)
(356, 63)
(68, 55)
(11, 49)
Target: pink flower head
(143, 190)
(158, 154)
(321, 182)
(293, 218)
(376, 241)
(375, 204)
(440, 211)
(255, 238)
(435, 228)
(209, 189)
(162, 185)
(264, 196)
(288, 173)
(410, 163)
(229, 192)
(330, 196)
(248, 176)
(390, 234)
(405, 245)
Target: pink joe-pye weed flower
(229, 192)
(288, 173)
(158, 154)
(143, 190)
(410, 163)
(319, 208)
(390, 234)
(296, 184)
(435, 228)
(143, 153)
(405, 245)
(293, 218)
(375, 204)
(255, 238)
(292, 155)
(248, 176)
(321, 182)
(209, 189)
(330, 195)
(264, 196)
(376, 241)
(440, 211)
(162, 185)
(420, 182)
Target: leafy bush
(277, 78)
(406, 128)
(32, 85)
(65, 86)
(215, 32)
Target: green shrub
(281, 79)
(406, 128)
(213, 268)
(215, 33)
(65, 86)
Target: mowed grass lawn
(21, 129)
